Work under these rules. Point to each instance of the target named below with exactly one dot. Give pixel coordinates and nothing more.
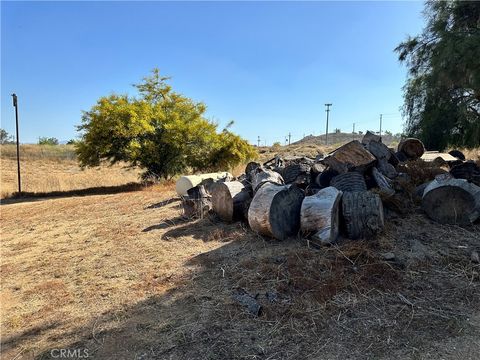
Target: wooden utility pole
(258, 142)
(326, 131)
(15, 104)
(380, 133)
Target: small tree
(5, 137)
(276, 146)
(47, 141)
(161, 131)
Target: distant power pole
(326, 131)
(258, 142)
(380, 125)
(289, 136)
(353, 132)
(15, 104)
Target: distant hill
(341, 138)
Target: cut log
(457, 154)
(387, 169)
(319, 215)
(468, 170)
(250, 167)
(324, 178)
(452, 201)
(371, 137)
(401, 156)
(275, 210)
(412, 148)
(351, 181)
(260, 176)
(383, 183)
(362, 214)
(379, 150)
(230, 200)
(350, 157)
(197, 202)
(393, 158)
(291, 172)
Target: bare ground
(125, 277)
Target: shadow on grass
(322, 306)
(99, 190)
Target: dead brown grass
(126, 277)
(47, 169)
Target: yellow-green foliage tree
(160, 130)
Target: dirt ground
(124, 276)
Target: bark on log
(229, 200)
(250, 167)
(379, 150)
(325, 178)
(468, 170)
(383, 183)
(275, 210)
(412, 147)
(319, 216)
(291, 172)
(197, 203)
(371, 137)
(387, 169)
(351, 181)
(261, 176)
(362, 214)
(350, 157)
(457, 154)
(400, 155)
(452, 201)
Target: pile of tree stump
(342, 193)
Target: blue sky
(268, 66)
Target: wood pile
(343, 193)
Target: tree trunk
(261, 176)
(451, 201)
(229, 200)
(319, 216)
(362, 214)
(412, 148)
(275, 210)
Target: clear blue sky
(269, 66)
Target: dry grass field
(124, 276)
(55, 169)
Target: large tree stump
(230, 200)
(275, 210)
(451, 201)
(319, 215)
(412, 148)
(325, 178)
(351, 181)
(260, 176)
(362, 214)
(197, 202)
(350, 157)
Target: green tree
(47, 141)
(5, 137)
(160, 130)
(442, 92)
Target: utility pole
(15, 104)
(289, 136)
(326, 132)
(353, 132)
(258, 142)
(380, 125)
